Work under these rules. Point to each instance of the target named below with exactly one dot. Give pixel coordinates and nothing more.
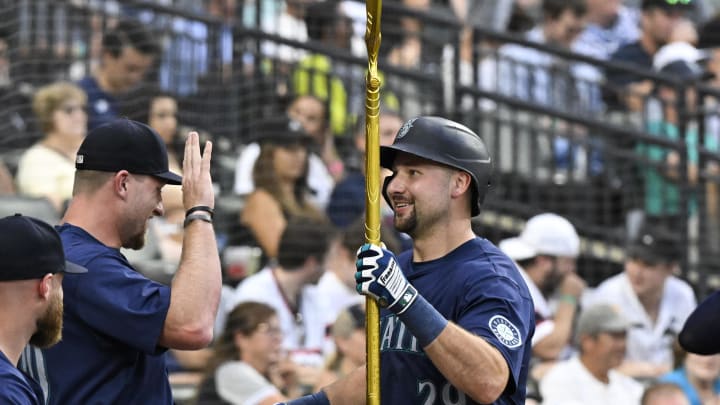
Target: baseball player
(31, 307)
(457, 317)
(118, 324)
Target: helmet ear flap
(386, 183)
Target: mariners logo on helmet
(405, 128)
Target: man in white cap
(546, 252)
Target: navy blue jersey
(16, 387)
(477, 287)
(113, 319)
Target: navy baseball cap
(654, 245)
(30, 249)
(129, 145)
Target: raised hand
(197, 185)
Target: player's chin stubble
(49, 326)
(407, 224)
(136, 240)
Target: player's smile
(401, 205)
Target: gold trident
(372, 189)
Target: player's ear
(120, 183)
(44, 286)
(459, 183)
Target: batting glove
(380, 277)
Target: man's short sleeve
(117, 301)
(502, 313)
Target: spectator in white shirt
(654, 301)
(590, 377)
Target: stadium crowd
(286, 115)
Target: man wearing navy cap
(652, 298)
(31, 305)
(118, 323)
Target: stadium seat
(38, 207)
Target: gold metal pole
(372, 189)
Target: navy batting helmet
(443, 141)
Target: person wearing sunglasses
(47, 169)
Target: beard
(406, 224)
(136, 238)
(49, 325)
(552, 282)
(136, 242)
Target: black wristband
(200, 208)
(201, 216)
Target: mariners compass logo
(505, 331)
(405, 128)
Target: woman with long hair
(281, 191)
(348, 333)
(247, 363)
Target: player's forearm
(470, 363)
(195, 291)
(350, 390)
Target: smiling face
(419, 193)
(144, 202)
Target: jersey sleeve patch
(506, 332)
